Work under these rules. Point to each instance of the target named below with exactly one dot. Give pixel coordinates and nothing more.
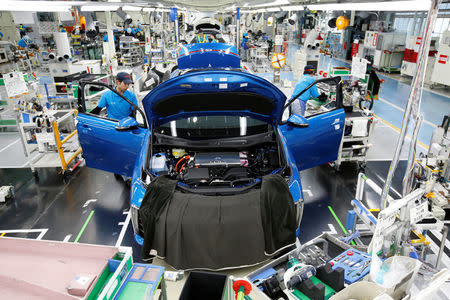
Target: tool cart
(50, 141)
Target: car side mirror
(127, 123)
(297, 121)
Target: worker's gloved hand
(323, 97)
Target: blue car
(214, 167)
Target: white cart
(53, 146)
(358, 128)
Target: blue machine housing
(209, 92)
(208, 55)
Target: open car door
(109, 145)
(315, 140)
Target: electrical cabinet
(441, 70)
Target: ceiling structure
(231, 5)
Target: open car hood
(208, 55)
(214, 92)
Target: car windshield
(211, 127)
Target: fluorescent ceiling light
(100, 7)
(162, 9)
(410, 5)
(114, 1)
(149, 9)
(273, 9)
(274, 3)
(292, 8)
(131, 8)
(48, 6)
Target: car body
(208, 97)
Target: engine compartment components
(204, 168)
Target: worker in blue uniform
(105, 38)
(24, 42)
(116, 107)
(244, 45)
(22, 30)
(299, 105)
(62, 29)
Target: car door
(317, 141)
(104, 146)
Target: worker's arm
(314, 91)
(100, 105)
(96, 110)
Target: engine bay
(203, 168)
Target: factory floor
(93, 206)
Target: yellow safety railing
(59, 144)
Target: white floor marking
(41, 235)
(89, 201)
(42, 231)
(124, 229)
(445, 260)
(6, 147)
(438, 235)
(402, 110)
(67, 238)
(332, 229)
(32, 159)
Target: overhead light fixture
(293, 8)
(149, 9)
(131, 8)
(274, 3)
(99, 7)
(41, 6)
(410, 5)
(273, 9)
(162, 9)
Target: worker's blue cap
(246, 34)
(124, 77)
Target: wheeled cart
(52, 145)
(359, 125)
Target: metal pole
(111, 46)
(441, 248)
(414, 97)
(238, 30)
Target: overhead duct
(126, 18)
(257, 17)
(293, 19)
(91, 25)
(280, 16)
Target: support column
(238, 30)
(111, 46)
